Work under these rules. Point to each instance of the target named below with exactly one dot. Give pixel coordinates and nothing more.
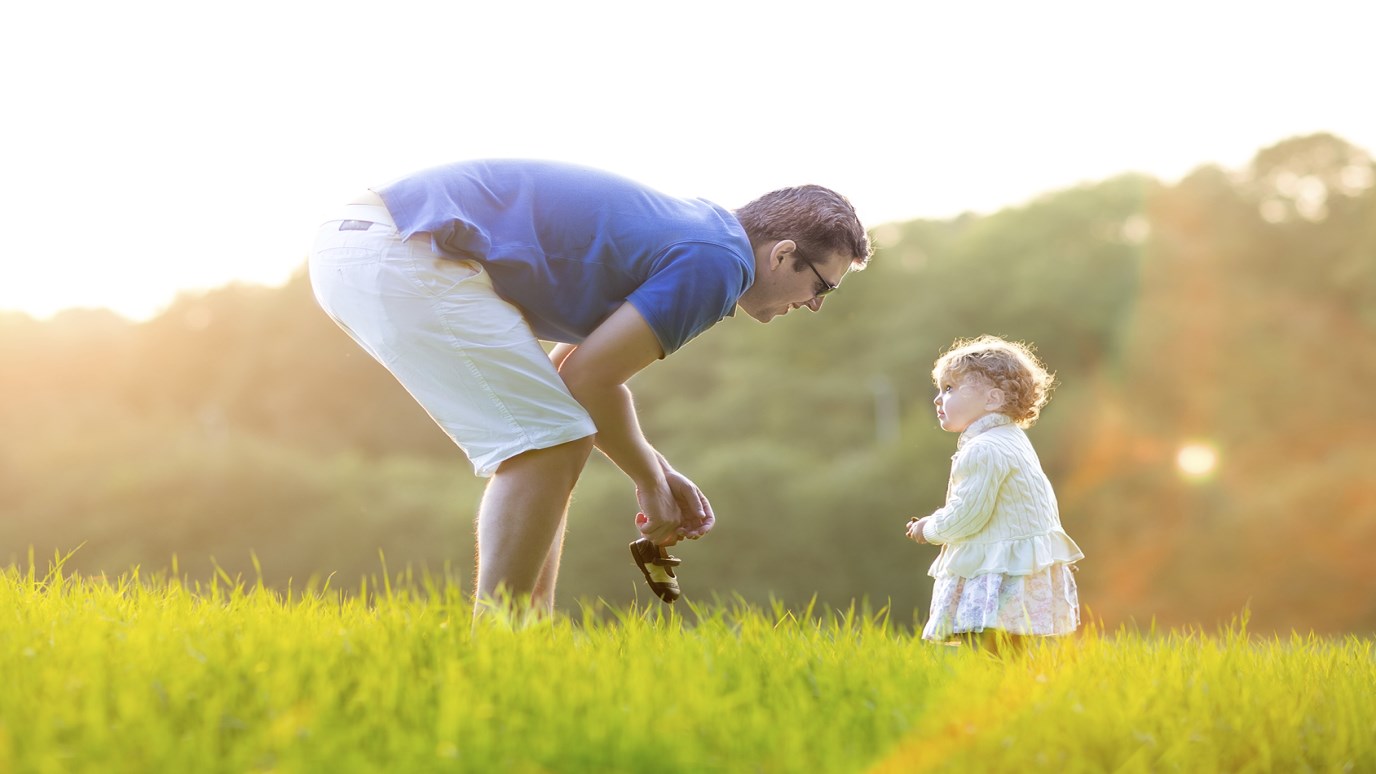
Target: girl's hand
(915, 526)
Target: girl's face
(961, 400)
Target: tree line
(1233, 312)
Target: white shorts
(465, 354)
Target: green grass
(165, 675)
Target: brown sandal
(658, 568)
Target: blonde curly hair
(1007, 365)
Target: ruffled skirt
(1045, 603)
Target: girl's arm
(976, 476)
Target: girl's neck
(986, 422)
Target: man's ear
(995, 399)
(781, 250)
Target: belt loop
(365, 213)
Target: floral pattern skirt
(1045, 604)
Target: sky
(155, 148)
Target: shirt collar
(981, 425)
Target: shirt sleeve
(976, 476)
(694, 285)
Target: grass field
(160, 674)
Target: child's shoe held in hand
(658, 568)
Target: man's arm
(560, 352)
(596, 373)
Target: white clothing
(1044, 604)
(1005, 561)
(1000, 514)
(463, 352)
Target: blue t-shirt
(568, 245)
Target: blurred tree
(1245, 343)
(1235, 310)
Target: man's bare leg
(521, 522)
(542, 598)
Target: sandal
(658, 568)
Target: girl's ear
(995, 400)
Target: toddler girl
(1004, 571)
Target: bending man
(452, 277)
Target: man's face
(787, 280)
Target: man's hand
(684, 513)
(659, 518)
(695, 512)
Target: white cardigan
(1000, 514)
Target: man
(451, 278)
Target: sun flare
(1196, 460)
